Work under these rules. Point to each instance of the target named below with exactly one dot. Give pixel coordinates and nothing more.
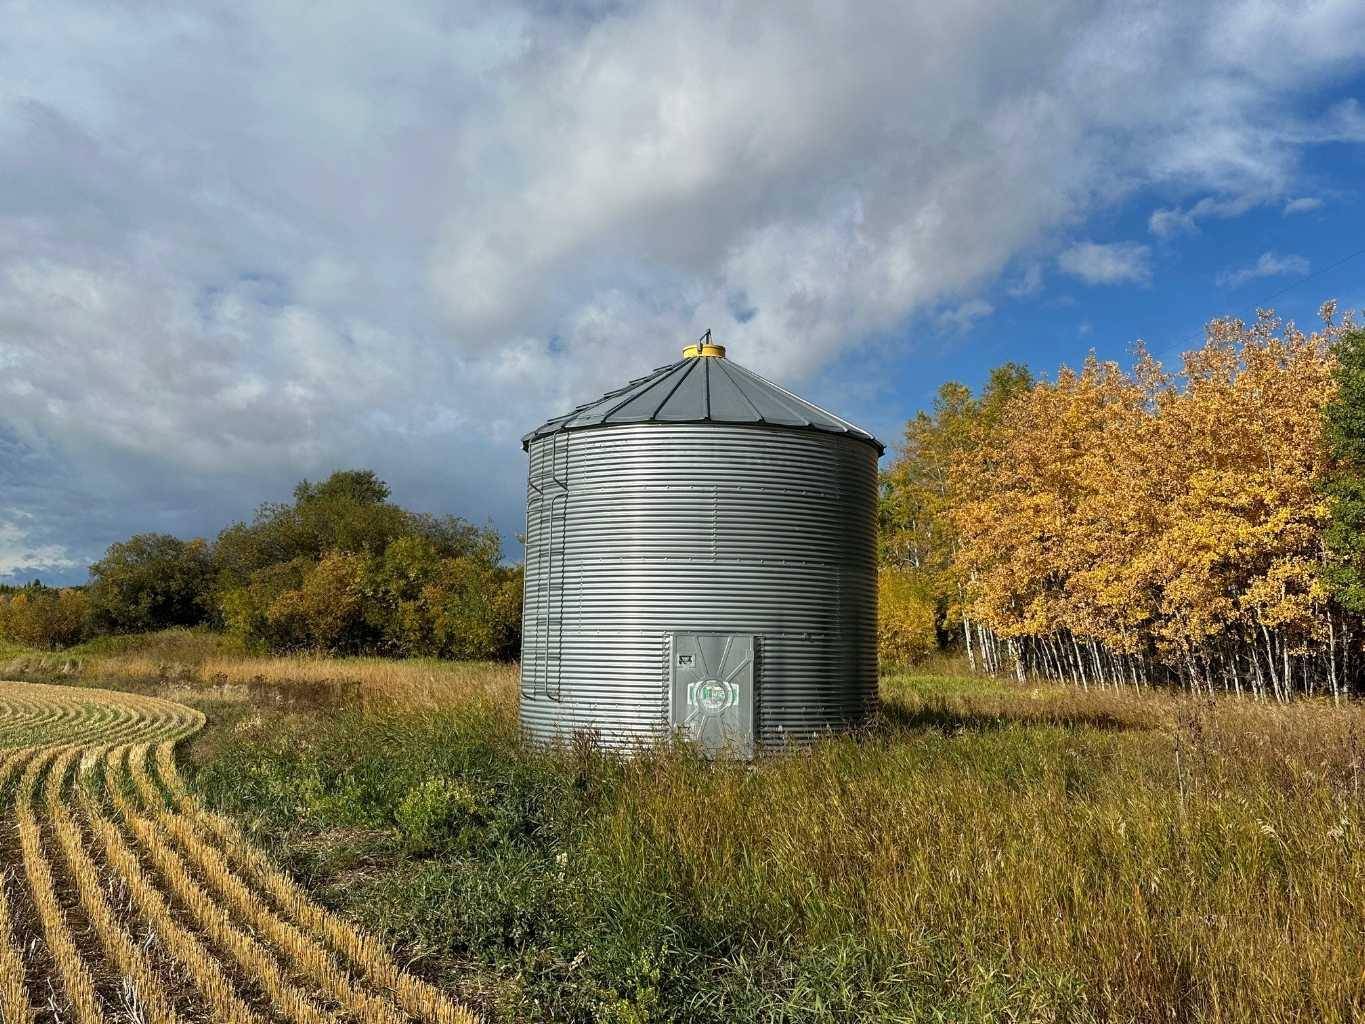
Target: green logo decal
(713, 695)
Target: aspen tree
(1116, 525)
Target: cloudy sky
(240, 246)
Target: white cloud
(20, 556)
(1303, 204)
(1111, 263)
(964, 316)
(1345, 122)
(1170, 221)
(1166, 222)
(1267, 265)
(243, 244)
(1030, 282)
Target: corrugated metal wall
(635, 531)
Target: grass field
(987, 852)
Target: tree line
(1202, 526)
(1122, 526)
(339, 569)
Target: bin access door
(713, 691)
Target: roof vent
(704, 347)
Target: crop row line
(239, 931)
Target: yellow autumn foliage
(1117, 525)
(905, 618)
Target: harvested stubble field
(124, 899)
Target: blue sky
(244, 245)
(1280, 253)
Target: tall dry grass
(373, 683)
(186, 664)
(1054, 854)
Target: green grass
(987, 853)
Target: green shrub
(408, 602)
(1344, 484)
(475, 610)
(440, 813)
(44, 617)
(339, 570)
(152, 581)
(327, 612)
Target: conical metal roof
(703, 388)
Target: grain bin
(700, 555)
